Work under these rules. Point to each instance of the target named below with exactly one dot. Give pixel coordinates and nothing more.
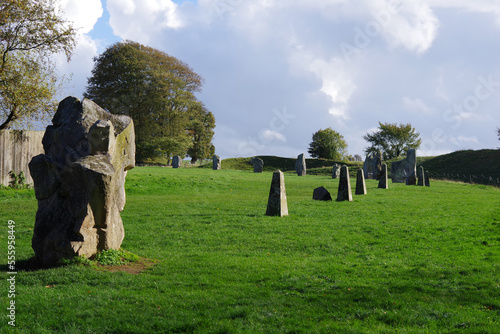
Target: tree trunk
(9, 119)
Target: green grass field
(404, 260)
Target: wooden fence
(16, 150)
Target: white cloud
(463, 141)
(268, 136)
(414, 27)
(480, 6)
(142, 20)
(84, 14)
(417, 105)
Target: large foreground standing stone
(300, 165)
(216, 163)
(80, 182)
(321, 194)
(344, 192)
(277, 204)
(176, 162)
(372, 167)
(382, 183)
(360, 183)
(258, 165)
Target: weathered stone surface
(335, 171)
(321, 194)
(372, 167)
(80, 182)
(360, 183)
(426, 178)
(216, 163)
(382, 183)
(277, 203)
(258, 164)
(176, 161)
(405, 171)
(344, 192)
(300, 165)
(421, 177)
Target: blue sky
(276, 71)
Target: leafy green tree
(31, 31)
(328, 144)
(202, 123)
(393, 140)
(155, 89)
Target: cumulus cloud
(84, 15)
(417, 105)
(142, 20)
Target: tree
(156, 90)
(328, 144)
(498, 133)
(393, 140)
(30, 33)
(200, 128)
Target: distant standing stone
(321, 194)
(258, 164)
(336, 171)
(426, 178)
(216, 163)
(277, 204)
(344, 193)
(421, 178)
(300, 165)
(372, 167)
(176, 162)
(411, 167)
(360, 183)
(382, 183)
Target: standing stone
(404, 171)
(383, 184)
(80, 182)
(422, 177)
(277, 204)
(426, 178)
(321, 194)
(360, 183)
(411, 167)
(372, 167)
(216, 163)
(258, 164)
(336, 171)
(344, 192)
(176, 162)
(300, 165)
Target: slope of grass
(482, 162)
(407, 259)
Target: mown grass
(404, 260)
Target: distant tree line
(392, 140)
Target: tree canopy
(328, 144)
(157, 91)
(31, 32)
(393, 140)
